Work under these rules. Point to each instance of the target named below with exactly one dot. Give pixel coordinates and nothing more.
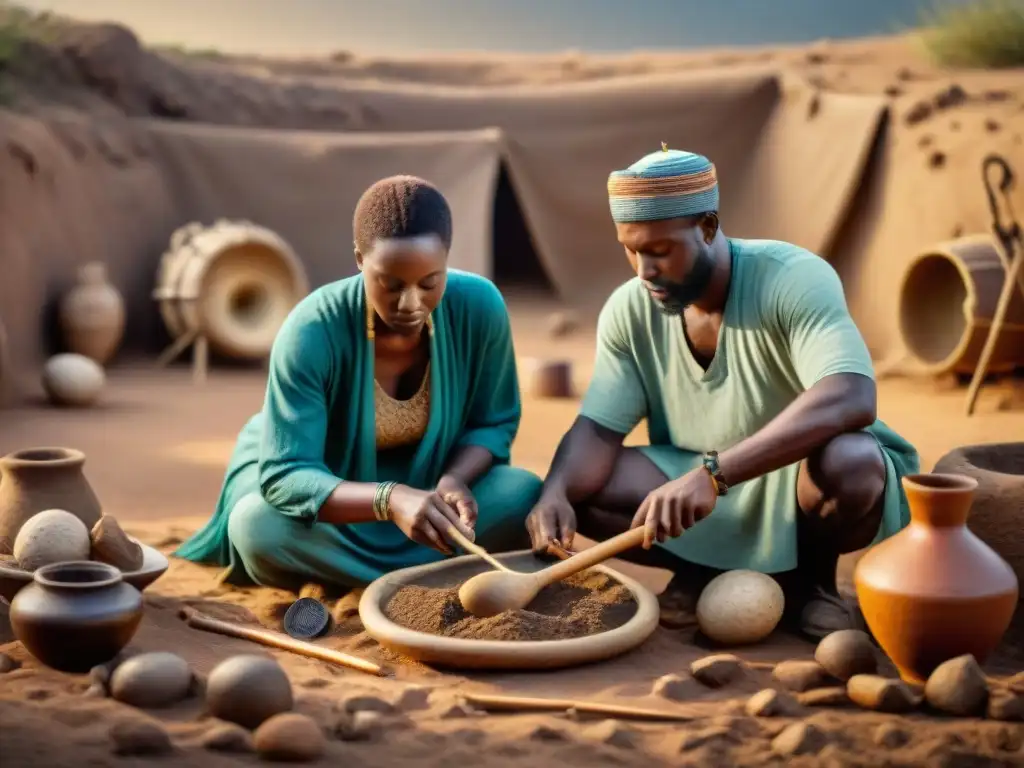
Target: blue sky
(312, 27)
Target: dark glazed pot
(76, 615)
(935, 591)
(37, 479)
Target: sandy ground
(156, 451)
(158, 444)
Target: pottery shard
(770, 703)
(611, 732)
(881, 694)
(368, 704)
(415, 697)
(846, 653)
(228, 737)
(290, 737)
(671, 687)
(547, 733)
(1007, 739)
(957, 687)
(139, 737)
(111, 545)
(799, 675)
(835, 696)
(361, 725)
(890, 736)
(799, 739)
(1006, 705)
(718, 670)
(151, 680)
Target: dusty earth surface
(157, 444)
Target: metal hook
(1010, 231)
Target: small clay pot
(76, 615)
(549, 379)
(92, 315)
(935, 591)
(37, 479)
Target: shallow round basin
(498, 654)
(154, 565)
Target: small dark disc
(305, 618)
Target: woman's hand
(424, 517)
(675, 506)
(457, 495)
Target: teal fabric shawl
(317, 425)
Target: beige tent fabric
(778, 157)
(305, 185)
(789, 161)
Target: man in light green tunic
(760, 401)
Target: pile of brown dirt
(584, 604)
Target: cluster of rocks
(845, 672)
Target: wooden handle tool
(476, 549)
(271, 639)
(530, 704)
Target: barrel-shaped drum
(947, 302)
(233, 282)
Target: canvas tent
(789, 161)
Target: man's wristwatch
(710, 462)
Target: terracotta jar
(935, 591)
(92, 315)
(37, 479)
(76, 615)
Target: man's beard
(690, 289)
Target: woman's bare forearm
(349, 503)
(469, 464)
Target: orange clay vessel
(935, 591)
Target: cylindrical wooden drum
(947, 301)
(233, 282)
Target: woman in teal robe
(392, 402)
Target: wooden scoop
(491, 593)
(476, 549)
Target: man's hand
(677, 505)
(552, 520)
(457, 495)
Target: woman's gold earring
(369, 320)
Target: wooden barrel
(947, 300)
(234, 282)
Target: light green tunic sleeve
(494, 409)
(814, 320)
(616, 398)
(293, 476)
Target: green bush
(979, 33)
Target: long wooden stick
(476, 549)
(277, 640)
(530, 704)
(1014, 274)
